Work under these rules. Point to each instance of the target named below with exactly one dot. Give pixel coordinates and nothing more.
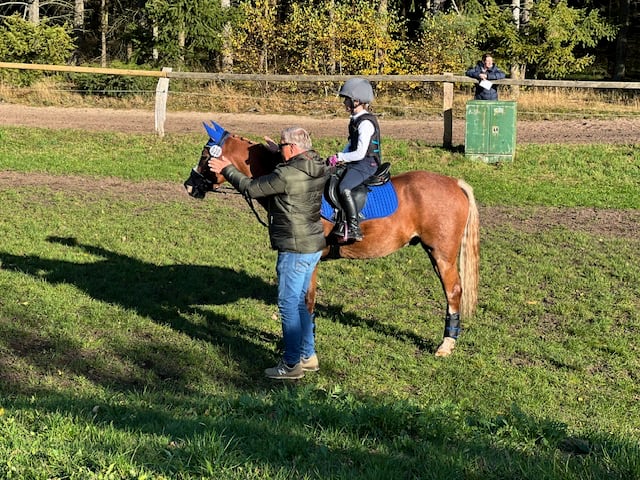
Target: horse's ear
(215, 131)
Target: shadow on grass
(302, 432)
(337, 314)
(295, 431)
(168, 295)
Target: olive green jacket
(293, 193)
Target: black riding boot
(351, 211)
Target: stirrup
(340, 229)
(354, 233)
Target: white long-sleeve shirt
(365, 132)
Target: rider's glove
(332, 160)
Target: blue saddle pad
(381, 202)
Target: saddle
(380, 177)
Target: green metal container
(490, 134)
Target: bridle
(213, 149)
(198, 184)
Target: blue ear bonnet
(217, 134)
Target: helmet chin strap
(353, 104)
(356, 107)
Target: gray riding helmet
(358, 89)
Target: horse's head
(252, 159)
(202, 179)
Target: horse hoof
(446, 348)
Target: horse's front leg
(310, 297)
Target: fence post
(162, 91)
(447, 111)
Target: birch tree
(78, 15)
(34, 11)
(227, 49)
(104, 27)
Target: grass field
(135, 324)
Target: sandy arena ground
(620, 131)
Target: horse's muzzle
(197, 186)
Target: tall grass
(135, 324)
(393, 99)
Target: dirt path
(621, 130)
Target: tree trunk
(78, 30)
(332, 60)
(623, 40)
(515, 13)
(78, 15)
(517, 71)
(227, 48)
(155, 33)
(34, 12)
(515, 66)
(182, 41)
(526, 13)
(104, 26)
(383, 10)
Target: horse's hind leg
(450, 279)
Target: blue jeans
(294, 274)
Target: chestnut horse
(435, 211)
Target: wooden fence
(448, 80)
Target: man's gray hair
(297, 135)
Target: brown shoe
(310, 364)
(283, 372)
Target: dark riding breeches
(357, 173)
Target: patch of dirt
(602, 222)
(605, 223)
(624, 130)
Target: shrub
(114, 85)
(25, 42)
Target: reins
(247, 199)
(255, 212)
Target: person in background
(294, 191)
(361, 155)
(486, 70)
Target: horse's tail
(470, 255)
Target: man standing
(294, 192)
(485, 71)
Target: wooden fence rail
(447, 80)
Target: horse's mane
(244, 139)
